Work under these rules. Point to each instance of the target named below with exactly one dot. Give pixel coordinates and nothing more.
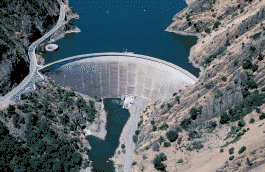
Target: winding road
(28, 84)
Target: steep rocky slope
(21, 23)
(230, 54)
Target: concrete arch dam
(109, 75)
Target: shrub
(258, 110)
(172, 136)
(248, 162)
(207, 30)
(211, 126)
(177, 99)
(224, 118)
(135, 139)
(224, 78)
(216, 24)
(134, 163)
(161, 139)
(255, 67)
(262, 116)
(185, 123)
(167, 144)
(152, 122)
(241, 123)
(179, 140)
(193, 113)
(218, 94)
(164, 126)
(222, 150)
(162, 156)
(197, 145)
(231, 157)
(235, 62)
(209, 85)
(144, 157)
(241, 150)
(231, 151)
(252, 120)
(140, 123)
(247, 64)
(256, 36)
(158, 164)
(137, 132)
(123, 151)
(260, 57)
(154, 128)
(238, 164)
(192, 134)
(122, 146)
(155, 146)
(180, 160)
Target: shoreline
(191, 59)
(98, 127)
(122, 162)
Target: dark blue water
(138, 26)
(103, 150)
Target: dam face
(113, 75)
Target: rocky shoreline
(98, 127)
(191, 59)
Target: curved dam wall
(109, 75)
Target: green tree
(172, 136)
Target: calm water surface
(114, 26)
(138, 26)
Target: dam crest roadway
(112, 74)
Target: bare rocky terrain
(229, 92)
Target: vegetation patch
(172, 136)
(256, 36)
(158, 162)
(242, 149)
(164, 126)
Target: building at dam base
(111, 75)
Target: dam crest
(110, 75)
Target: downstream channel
(103, 150)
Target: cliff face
(230, 55)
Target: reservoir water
(103, 150)
(114, 26)
(138, 26)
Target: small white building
(127, 101)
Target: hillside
(22, 23)
(217, 111)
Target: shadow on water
(102, 150)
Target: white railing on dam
(109, 75)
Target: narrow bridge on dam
(109, 75)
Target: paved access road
(33, 61)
